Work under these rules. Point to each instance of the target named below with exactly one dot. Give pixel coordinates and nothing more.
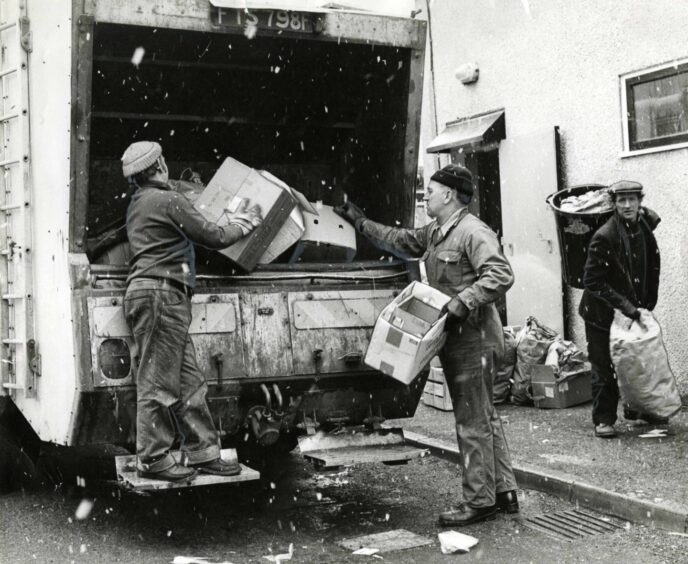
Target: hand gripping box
(408, 332)
(233, 181)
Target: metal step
(357, 446)
(129, 480)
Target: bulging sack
(646, 382)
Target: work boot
(463, 515)
(653, 420)
(176, 473)
(507, 501)
(605, 431)
(219, 467)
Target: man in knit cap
(463, 259)
(162, 227)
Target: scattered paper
(84, 510)
(452, 542)
(366, 551)
(195, 560)
(655, 433)
(278, 558)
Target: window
(656, 108)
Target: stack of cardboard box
(288, 218)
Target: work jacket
(608, 279)
(462, 258)
(162, 226)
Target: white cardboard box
(402, 355)
(327, 238)
(293, 228)
(232, 181)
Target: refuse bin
(574, 231)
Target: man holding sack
(621, 273)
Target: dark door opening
(487, 201)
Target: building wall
(557, 62)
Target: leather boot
(463, 515)
(219, 467)
(176, 473)
(508, 501)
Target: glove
(352, 213)
(456, 309)
(630, 311)
(245, 217)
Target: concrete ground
(562, 440)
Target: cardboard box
(327, 238)
(293, 228)
(551, 393)
(403, 355)
(232, 181)
(436, 392)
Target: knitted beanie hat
(139, 156)
(455, 176)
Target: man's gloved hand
(245, 217)
(352, 213)
(630, 311)
(456, 309)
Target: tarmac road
(311, 510)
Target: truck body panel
(333, 112)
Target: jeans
(171, 391)
(605, 390)
(469, 360)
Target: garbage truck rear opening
(331, 106)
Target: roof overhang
(470, 133)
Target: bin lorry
(326, 99)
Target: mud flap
(356, 446)
(129, 480)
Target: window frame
(626, 82)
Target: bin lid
(473, 130)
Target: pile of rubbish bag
(535, 343)
(595, 201)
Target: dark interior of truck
(327, 118)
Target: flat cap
(626, 187)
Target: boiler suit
(463, 258)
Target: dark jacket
(162, 226)
(607, 277)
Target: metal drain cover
(574, 524)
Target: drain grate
(573, 525)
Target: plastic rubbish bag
(532, 344)
(502, 381)
(646, 382)
(566, 359)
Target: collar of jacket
(155, 184)
(448, 225)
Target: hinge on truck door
(33, 357)
(25, 34)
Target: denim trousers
(171, 390)
(470, 359)
(605, 389)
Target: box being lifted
(408, 333)
(327, 238)
(234, 180)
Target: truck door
(529, 172)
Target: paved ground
(562, 440)
(243, 524)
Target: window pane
(660, 109)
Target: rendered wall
(556, 62)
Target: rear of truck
(327, 101)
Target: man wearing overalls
(463, 259)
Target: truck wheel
(17, 470)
